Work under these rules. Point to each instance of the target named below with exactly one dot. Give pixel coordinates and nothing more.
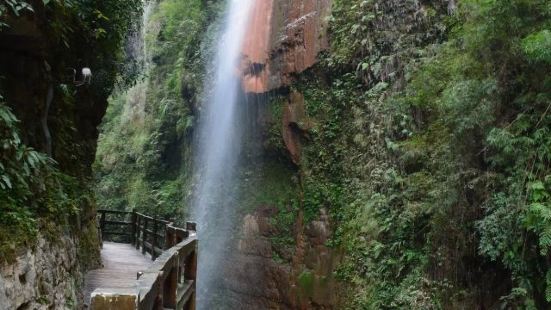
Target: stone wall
(46, 277)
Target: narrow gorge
(334, 154)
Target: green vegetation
(150, 172)
(429, 144)
(38, 189)
(432, 151)
(271, 186)
(20, 173)
(33, 192)
(306, 282)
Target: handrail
(144, 232)
(169, 283)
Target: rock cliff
(50, 230)
(46, 277)
(284, 38)
(303, 279)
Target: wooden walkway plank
(121, 263)
(167, 282)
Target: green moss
(306, 282)
(43, 300)
(273, 143)
(273, 186)
(13, 239)
(89, 242)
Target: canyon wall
(48, 229)
(363, 169)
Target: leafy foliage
(434, 135)
(31, 188)
(429, 147)
(156, 115)
(537, 46)
(36, 190)
(15, 6)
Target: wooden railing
(145, 232)
(169, 283)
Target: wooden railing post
(169, 238)
(144, 235)
(134, 238)
(191, 266)
(190, 273)
(137, 228)
(170, 289)
(154, 240)
(192, 226)
(102, 224)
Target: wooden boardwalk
(121, 263)
(168, 282)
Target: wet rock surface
(295, 125)
(284, 38)
(256, 280)
(43, 278)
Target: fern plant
(15, 6)
(21, 168)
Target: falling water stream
(218, 148)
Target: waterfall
(217, 151)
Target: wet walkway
(121, 263)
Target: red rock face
(284, 37)
(259, 282)
(255, 70)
